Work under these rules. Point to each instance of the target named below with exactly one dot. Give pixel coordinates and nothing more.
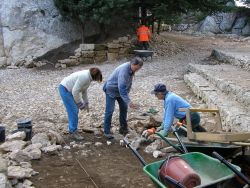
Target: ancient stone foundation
(98, 53)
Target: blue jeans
(110, 107)
(71, 108)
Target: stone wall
(98, 53)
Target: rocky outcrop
(232, 23)
(31, 28)
(218, 23)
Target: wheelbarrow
(183, 149)
(144, 54)
(210, 170)
(228, 150)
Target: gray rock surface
(20, 156)
(32, 28)
(19, 173)
(20, 135)
(4, 182)
(227, 22)
(12, 145)
(210, 25)
(3, 165)
(41, 138)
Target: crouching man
(172, 104)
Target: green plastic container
(210, 170)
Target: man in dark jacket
(117, 88)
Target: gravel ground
(33, 93)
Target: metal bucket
(25, 124)
(2, 133)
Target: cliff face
(31, 28)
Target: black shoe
(199, 129)
(109, 136)
(123, 131)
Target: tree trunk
(103, 34)
(152, 23)
(159, 26)
(83, 36)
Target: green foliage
(170, 11)
(200, 15)
(100, 11)
(104, 11)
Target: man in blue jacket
(117, 88)
(172, 103)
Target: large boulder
(32, 27)
(240, 23)
(210, 25)
(246, 30)
(227, 21)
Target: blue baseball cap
(159, 88)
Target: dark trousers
(110, 107)
(195, 122)
(145, 45)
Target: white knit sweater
(77, 83)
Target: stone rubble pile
(98, 53)
(155, 145)
(16, 156)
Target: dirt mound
(163, 47)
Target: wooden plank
(203, 110)
(222, 137)
(198, 110)
(190, 133)
(219, 125)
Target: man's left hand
(163, 133)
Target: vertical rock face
(2, 53)
(32, 28)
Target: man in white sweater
(73, 91)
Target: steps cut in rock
(234, 116)
(231, 80)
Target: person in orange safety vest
(144, 35)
